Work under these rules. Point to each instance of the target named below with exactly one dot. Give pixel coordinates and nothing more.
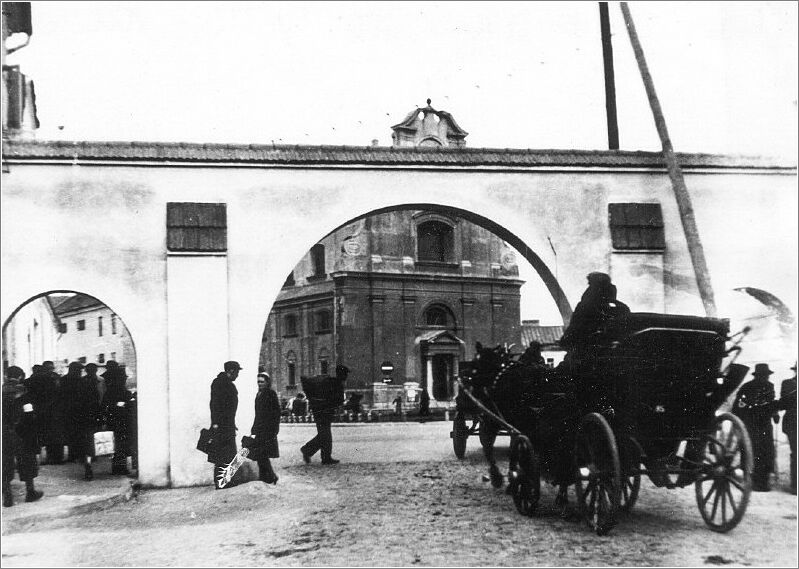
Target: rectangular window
(196, 227)
(323, 321)
(100, 358)
(550, 362)
(113, 323)
(635, 226)
(82, 359)
(99, 325)
(292, 374)
(290, 325)
(81, 324)
(62, 327)
(324, 367)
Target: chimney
(375, 142)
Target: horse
(538, 402)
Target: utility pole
(610, 80)
(675, 173)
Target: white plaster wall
(747, 223)
(197, 291)
(42, 345)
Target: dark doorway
(442, 380)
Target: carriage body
(664, 376)
(643, 400)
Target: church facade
(403, 290)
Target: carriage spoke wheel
(725, 479)
(525, 477)
(598, 479)
(630, 481)
(460, 432)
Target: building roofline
(170, 153)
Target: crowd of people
(46, 413)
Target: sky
(512, 74)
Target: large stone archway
(92, 217)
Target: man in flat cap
(754, 404)
(224, 403)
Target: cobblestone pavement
(425, 513)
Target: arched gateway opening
(408, 289)
(80, 371)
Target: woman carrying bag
(265, 429)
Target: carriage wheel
(460, 432)
(630, 482)
(725, 478)
(598, 481)
(525, 477)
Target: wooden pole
(675, 173)
(610, 80)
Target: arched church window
(435, 241)
(436, 316)
(318, 260)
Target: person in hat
(224, 403)
(597, 305)
(265, 428)
(755, 405)
(787, 403)
(323, 413)
(20, 443)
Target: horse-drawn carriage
(643, 401)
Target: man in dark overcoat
(51, 415)
(788, 404)
(754, 404)
(20, 442)
(323, 413)
(224, 403)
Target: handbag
(251, 444)
(103, 443)
(206, 441)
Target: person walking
(787, 403)
(224, 403)
(755, 405)
(20, 442)
(115, 409)
(81, 416)
(265, 428)
(424, 403)
(324, 411)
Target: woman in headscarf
(265, 428)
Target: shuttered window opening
(636, 226)
(196, 227)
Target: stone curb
(21, 522)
